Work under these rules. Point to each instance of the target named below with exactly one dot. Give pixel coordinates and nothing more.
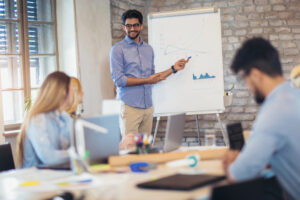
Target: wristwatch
(173, 69)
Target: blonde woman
(45, 134)
(295, 76)
(75, 110)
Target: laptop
(174, 134)
(100, 146)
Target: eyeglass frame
(241, 75)
(129, 26)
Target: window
(28, 52)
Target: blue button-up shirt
(129, 59)
(47, 139)
(275, 140)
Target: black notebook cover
(181, 182)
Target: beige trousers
(135, 120)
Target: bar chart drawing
(203, 76)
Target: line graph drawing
(172, 49)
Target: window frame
(24, 55)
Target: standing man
(132, 70)
(275, 135)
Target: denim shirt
(129, 59)
(47, 139)
(274, 140)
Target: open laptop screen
(174, 132)
(101, 146)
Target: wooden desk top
(205, 153)
(109, 185)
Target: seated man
(275, 136)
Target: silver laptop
(101, 146)
(174, 133)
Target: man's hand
(163, 75)
(127, 141)
(155, 78)
(180, 64)
(229, 158)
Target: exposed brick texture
(276, 20)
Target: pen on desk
(75, 182)
(150, 139)
(84, 181)
(145, 140)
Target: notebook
(181, 182)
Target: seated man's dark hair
(132, 14)
(257, 53)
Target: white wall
(2, 139)
(66, 36)
(84, 43)
(92, 21)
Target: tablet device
(181, 182)
(55, 166)
(235, 136)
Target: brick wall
(276, 20)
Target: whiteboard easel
(199, 88)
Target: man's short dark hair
(132, 14)
(257, 53)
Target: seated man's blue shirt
(275, 140)
(47, 139)
(129, 59)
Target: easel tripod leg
(198, 131)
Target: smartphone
(235, 135)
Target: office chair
(258, 189)
(6, 158)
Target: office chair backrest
(258, 189)
(6, 158)
(242, 190)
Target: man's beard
(137, 35)
(259, 98)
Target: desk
(112, 186)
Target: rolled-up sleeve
(117, 66)
(153, 66)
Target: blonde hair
(295, 76)
(78, 93)
(52, 95)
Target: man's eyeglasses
(129, 26)
(240, 77)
